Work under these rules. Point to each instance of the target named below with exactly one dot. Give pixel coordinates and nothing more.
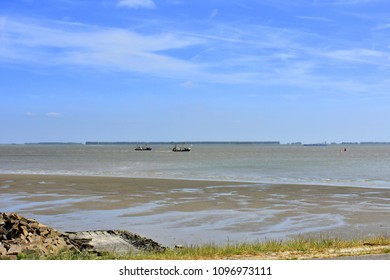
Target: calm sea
(359, 165)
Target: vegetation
(300, 248)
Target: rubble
(18, 234)
(21, 235)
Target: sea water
(360, 165)
(239, 212)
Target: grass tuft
(297, 248)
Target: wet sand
(195, 212)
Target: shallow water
(194, 212)
(330, 191)
(360, 165)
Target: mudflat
(196, 212)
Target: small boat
(144, 148)
(181, 149)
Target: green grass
(290, 249)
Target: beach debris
(21, 235)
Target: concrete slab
(120, 242)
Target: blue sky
(176, 70)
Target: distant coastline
(187, 142)
(54, 143)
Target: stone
(48, 240)
(43, 232)
(3, 251)
(62, 243)
(23, 221)
(34, 224)
(14, 249)
(24, 230)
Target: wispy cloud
(149, 4)
(220, 53)
(109, 48)
(314, 18)
(188, 84)
(355, 2)
(345, 2)
(383, 26)
(323, 2)
(220, 57)
(54, 114)
(361, 56)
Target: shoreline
(176, 211)
(63, 176)
(204, 181)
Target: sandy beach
(194, 212)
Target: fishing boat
(181, 149)
(144, 148)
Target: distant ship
(144, 148)
(181, 149)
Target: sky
(179, 70)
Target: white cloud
(354, 2)
(361, 55)
(54, 114)
(383, 26)
(106, 48)
(314, 18)
(345, 2)
(149, 4)
(188, 84)
(240, 54)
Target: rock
(24, 231)
(3, 251)
(14, 249)
(18, 235)
(140, 242)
